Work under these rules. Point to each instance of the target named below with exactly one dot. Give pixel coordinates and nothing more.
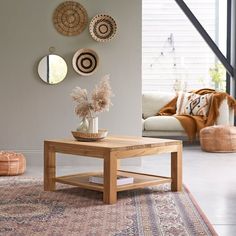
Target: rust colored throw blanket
(193, 124)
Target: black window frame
(230, 43)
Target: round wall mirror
(52, 69)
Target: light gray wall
(30, 110)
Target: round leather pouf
(12, 163)
(219, 138)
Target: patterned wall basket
(102, 28)
(70, 18)
(85, 61)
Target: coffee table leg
(176, 170)
(49, 168)
(110, 174)
(118, 164)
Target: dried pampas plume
(101, 95)
(100, 99)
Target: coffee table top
(119, 142)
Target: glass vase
(83, 126)
(92, 124)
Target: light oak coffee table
(111, 150)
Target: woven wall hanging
(70, 18)
(85, 61)
(102, 28)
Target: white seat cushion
(163, 123)
(152, 102)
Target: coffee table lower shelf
(140, 180)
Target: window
(175, 57)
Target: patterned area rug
(25, 209)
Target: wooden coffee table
(111, 150)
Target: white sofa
(169, 126)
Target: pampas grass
(100, 99)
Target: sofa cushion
(163, 123)
(193, 104)
(152, 102)
(143, 121)
(181, 102)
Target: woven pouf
(12, 163)
(218, 138)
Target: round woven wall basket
(70, 18)
(102, 28)
(85, 61)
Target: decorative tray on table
(89, 137)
